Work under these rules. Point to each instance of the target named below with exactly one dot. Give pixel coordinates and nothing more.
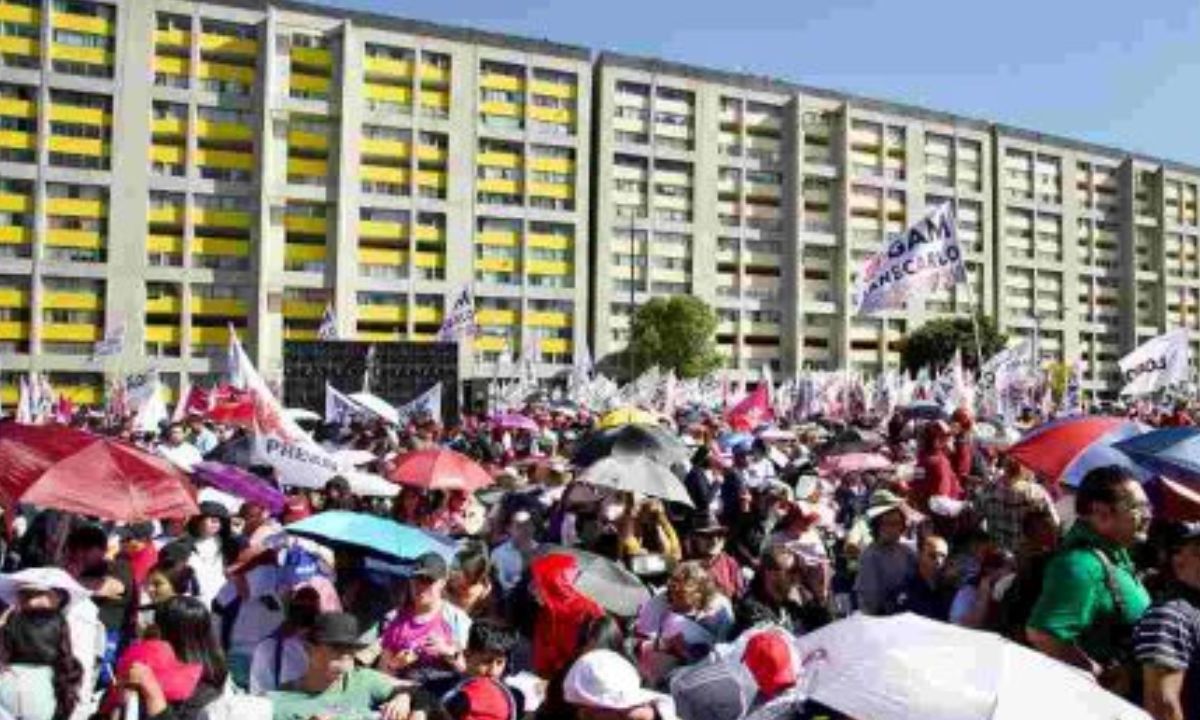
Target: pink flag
(753, 410)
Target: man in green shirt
(334, 689)
(1091, 596)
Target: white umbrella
(302, 415)
(377, 406)
(906, 666)
(369, 485)
(354, 457)
(42, 577)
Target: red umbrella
(1067, 449)
(438, 469)
(52, 466)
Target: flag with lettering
(460, 318)
(112, 344)
(1157, 364)
(923, 259)
(328, 329)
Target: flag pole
(962, 264)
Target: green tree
(675, 333)
(933, 344)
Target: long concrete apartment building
(175, 167)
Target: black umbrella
(650, 441)
(607, 583)
(923, 411)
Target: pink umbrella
(515, 422)
(855, 463)
(438, 469)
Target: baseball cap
(769, 660)
(430, 565)
(337, 629)
(604, 680)
(480, 699)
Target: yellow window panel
(171, 65)
(82, 23)
(310, 83)
(214, 335)
(14, 331)
(170, 126)
(551, 89)
(83, 239)
(382, 313)
(496, 317)
(427, 314)
(497, 81)
(552, 190)
(228, 45)
(304, 224)
(506, 109)
(13, 235)
(81, 394)
(9, 395)
(431, 153)
(15, 107)
(17, 140)
(556, 345)
(164, 305)
(559, 116)
(70, 332)
(302, 309)
(88, 55)
(548, 267)
(221, 218)
(431, 234)
(499, 185)
(496, 264)
(231, 307)
(20, 15)
(220, 246)
(377, 336)
(548, 319)
(304, 253)
(388, 67)
(397, 149)
(316, 57)
(16, 203)
(552, 164)
(72, 207)
(307, 167)
(167, 215)
(72, 301)
(381, 229)
(379, 173)
(290, 333)
(65, 113)
(388, 93)
(225, 159)
(498, 159)
(225, 71)
(434, 74)
(549, 242)
(429, 260)
(498, 238)
(13, 45)
(165, 334)
(435, 98)
(307, 140)
(78, 146)
(208, 130)
(490, 343)
(13, 297)
(431, 178)
(172, 38)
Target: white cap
(603, 679)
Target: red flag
(231, 406)
(197, 402)
(753, 410)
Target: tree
(675, 333)
(933, 344)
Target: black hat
(337, 630)
(137, 531)
(1180, 534)
(208, 508)
(707, 524)
(430, 565)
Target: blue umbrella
(1174, 452)
(376, 536)
(733, 440)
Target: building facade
(176, 168)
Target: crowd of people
(225, 614)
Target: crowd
(563, 599)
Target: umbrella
(240, 483)
(607, 583)
(628, 416)
(302, 415)
(729, 441)
(650, 440)
(777, 435)
(924, 411)
(994, 432)
(365, 484)
(377, 406)
(1068, 449)
(905, 666)
(349, 456)
(638, 475)
(855, 463)
(515, 422)
(438, 469)
(66, 469)
(1174, 452)
(380, 537)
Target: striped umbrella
(1066, 450)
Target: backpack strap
(1110, 581)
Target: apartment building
(178, 168)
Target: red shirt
(727, 575)
(964, 456)
(939, 479)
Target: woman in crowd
(40, 679)
(681, 625)
(469, 586)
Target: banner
(339, 408)
(1156, 364)
(328, 329)
(428, 403)
(112, 344)
(460, 318)
(925, 258)
(298, 465)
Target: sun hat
(769, 660)
(883, 502)
(604, 680)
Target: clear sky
(1117, 72)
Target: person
(962, 453)
(925, 592)
(482, 695)
(178, 450)
(680, 625)
(602, 685)
(425, 638)
(111, 584)
(561, 611)
(759, 669)
(1003, 504)
(1091, 596)
(704, 481)
(974, 604)
(212, 547)
(165, 686)
(646, 528)
(1166, 641)
(775, 596)
(40, 678)
(186, 626)
(888, 563)
(708, 548)
(409, 507)
(332, 686)
(203, 438)
(283, 657)
(338, 495)
(938, 478)
(512, 556)
(1020, 590)
(469, 585)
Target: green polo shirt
(1076, 604)
(355, 696)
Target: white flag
(25, 403)
(428, 403)
(328, 329)
(460, 318)
(923, 259)
(152, 409)
(269, 417)
(112, 344)
(1157, 364)
(339, 408)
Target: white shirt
(209, 566)
(184, 456)
(265, 660)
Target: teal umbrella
(376, 536)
